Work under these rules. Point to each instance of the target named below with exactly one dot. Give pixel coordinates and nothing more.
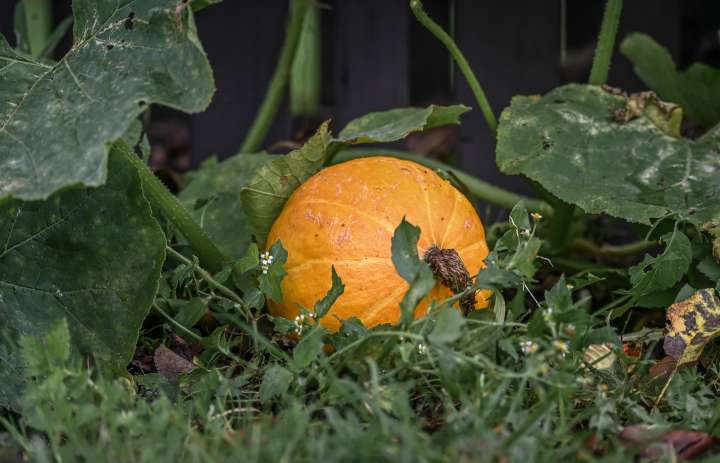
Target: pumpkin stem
(447, 265)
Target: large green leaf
(91, 256)
(696, 89)
(218, 186)
(664, 271)
(396, 124)
(265, 195)
(573, 143)
(56, 121)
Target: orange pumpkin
(346, 215)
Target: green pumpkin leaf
(92, 257)
(448, 327)
(404, 250)
(265, 195)
(323, 305)
(219, 185)
(276, 381)
(272, 275)
(519, 216)
(574, 144)
(56, 120)
(696, 89)
(411, 268)
(492, 277)
(309, 348)
(191, 312)
(665, 270)
(396, 124)
(710, 268)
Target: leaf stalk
(164, 201)
(274, 94)
(606, 42)
(417, 9)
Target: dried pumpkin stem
(447, 265)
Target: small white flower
(299, 323)
(266, 261)
(529, 347)
(421, 348)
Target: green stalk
(179, 326)
(274, 93)
(609, 250)
(38, 23)
(478, 188)
(222, 289)
(160, 197)
(445, 39)
(561, 224)
(606, 42)
(306, 72)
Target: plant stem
(222, 289)
(561, 224)
(609, 250)
(478, 188)
(606, 42)
(38, 23)
(274, 93)
(417, 9)
(176, 324)
(306, 71)
(161, 198)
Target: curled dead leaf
(171, 365)
(663, 368)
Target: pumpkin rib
(426, 197)
(330, 262)
(371, 311)
(448, 226)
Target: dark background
(376, 57)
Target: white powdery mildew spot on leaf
(572, 142)
(56, 121)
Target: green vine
(161, 199)
(38, 24)
(417, 9)
(606, 42)
(279, 81)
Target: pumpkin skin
(345, 215)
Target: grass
(448, 388)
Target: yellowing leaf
(692, 324)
